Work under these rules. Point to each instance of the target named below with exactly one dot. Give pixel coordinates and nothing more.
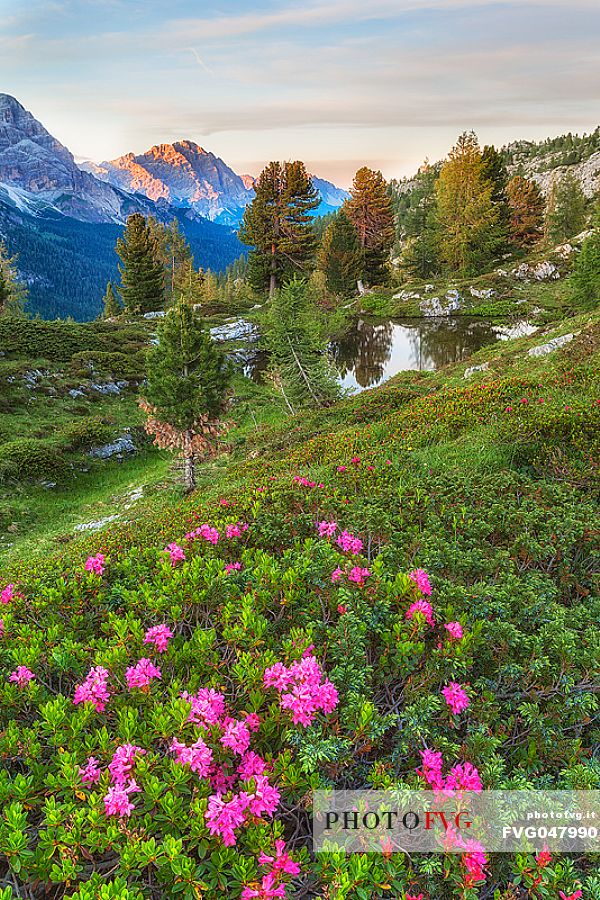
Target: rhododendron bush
(166, 710)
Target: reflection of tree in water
(364, 350)
(438, 343)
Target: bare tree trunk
(189, 463)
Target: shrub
(32, 460)
(88, 432)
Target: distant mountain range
(186, 175)
(63, 219)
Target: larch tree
(110, 303)
(526, 207)
(298, 358)
(370, 210)
(566, 209)
(142, 273)
(278, 226)
(468, 218)
(13, 292)
(585, 278)
(339, 256)
(187, 388)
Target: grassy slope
(488, 488)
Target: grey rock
(485, 294)
(108, 387)
(94, 526)
(119, 448)
(472, 369)
(75, 393)
(157, 314)
(433, 306)
(552, 345)
(235, 331)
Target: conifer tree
(470, 230)
(566, 209)
(110, 304)
(370, 211)
(175, 254)
(13, 292)
(340, 257)
(142, 274)
(298, 357)
(186, 391)
(585, 279)
(526, 205)
(278, 225)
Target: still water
(375, 349)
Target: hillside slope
(314, 545)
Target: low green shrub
(88, 432)
(32, 460)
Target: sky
(337, 83)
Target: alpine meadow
(299, 450)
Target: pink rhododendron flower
(342, 609)
(220, 782)
(122, 763)
(95, 563)
(336, 575)
(159, 635)
(349, 543)
(281, 862)
(431, 769)
(206, 532)
(544, 858)
(456, 697)
(1, 627)
(90, 773)
(358, 575)
(474, 862)
(140, 675)
(270, 889)
(176, 553)
(94, 689)
(302, 689)
(455, 630)
(21, 676)
(236, 530)
(10, 593)
(341, 468)
(223, 817)
(208, 706)
(233, 567)
(574, 896)
(355, 460)
(251, 764)
(300, 479)
(413, 897)
(265, 798)
(252, 721)
(117, 802)
(421, 579)
(236, 736)
(198, 757)
(464, 777)
(327, 529)
(424, 608)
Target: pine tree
(278, 225)
(340, 257)
(175, 254)
(188, 380)
(566, 209)
(111, 308)
(585, 279)
(468, 219)
(142, 274)
(494, 170)
(370, 211)
(298, 359)
(13, 292)
(526, 204)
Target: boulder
(472, 369)
(123, 446)
(554, 344)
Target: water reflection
(374, 350)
